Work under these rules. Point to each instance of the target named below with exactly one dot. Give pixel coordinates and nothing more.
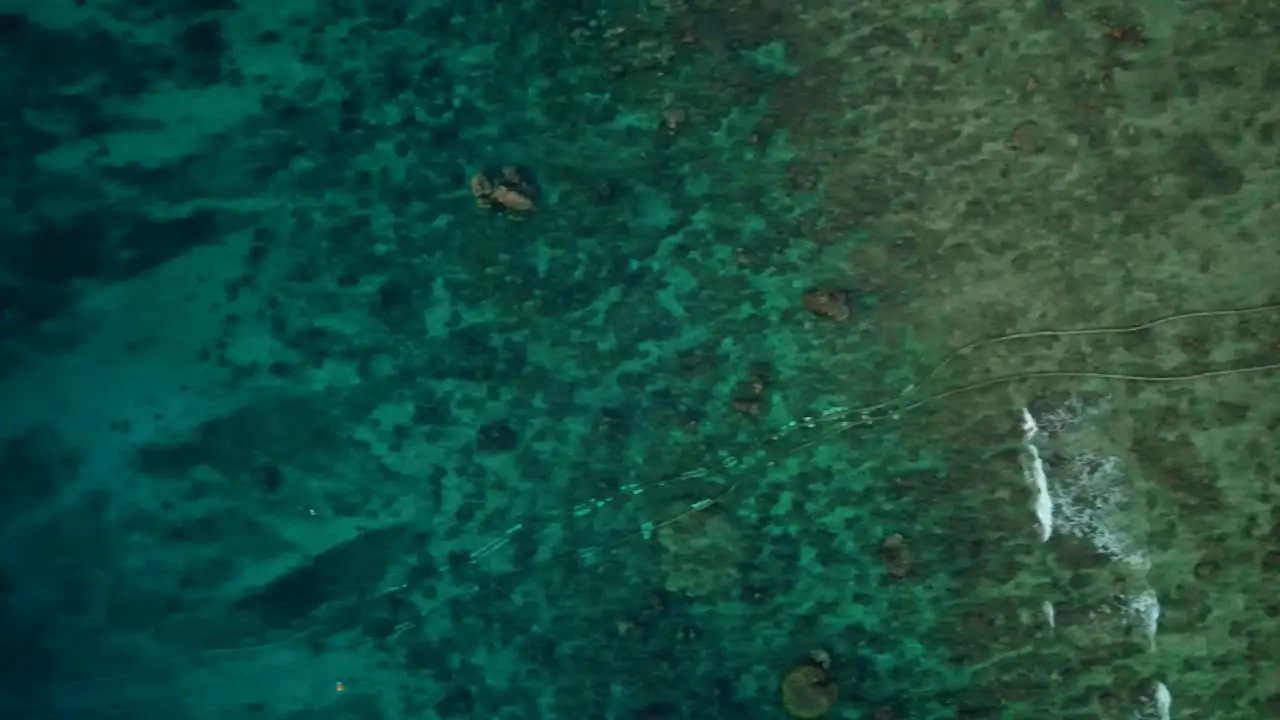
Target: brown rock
(512, 199)
(807, 693)
(482, 189)
(1027, 137)
(825, 303)
(895, 555)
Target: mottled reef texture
(293, 398)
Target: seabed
(399, 360)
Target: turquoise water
(402, 360)
(349, 440)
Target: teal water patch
(495, 458)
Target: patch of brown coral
(481, 188)
(827, 303)
(511, 199)
(895, 555)
(807, 692)
(510, 193)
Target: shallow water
(391, 360)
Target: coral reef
(807, 692)
(510, 191)
(288, 429)
(827, 303)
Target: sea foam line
(1033, 471)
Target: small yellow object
(340, 686)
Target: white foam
(1034, 472)
(1147, 607)
(1159, 706)
(1090, 499)
(1164, 701)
